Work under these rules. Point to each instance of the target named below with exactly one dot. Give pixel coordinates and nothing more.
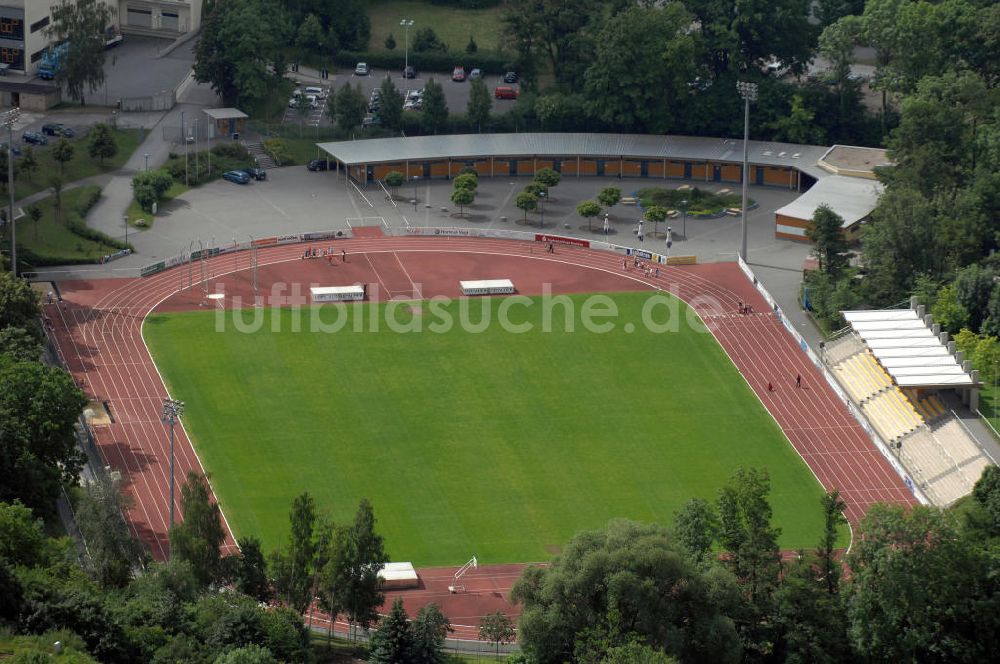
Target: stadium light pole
(172, 410)
(748, 91)
(9, 118)
(684, 218)
(406, 23)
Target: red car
(505, 92)
(458, 74)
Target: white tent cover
(907, 348)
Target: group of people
(798, 383)
(744, 308)
(645, 268)
(328, 254)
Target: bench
(629, 200)
(733, 212)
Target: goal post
(456, 586)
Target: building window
(37, 55)
(13, 57)
(11, 28)
(38, 25)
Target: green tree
(392, 642)
(480, 103)
(101, 144)
(435, 109)
(310, 37)
(629, 581)
(22, 536)
(19, 304)
(425, 39)
(56, 185)
(19, 345)
(39, 408)
(899, 244)
(553, 31)
(394, 180)
(497, 628)
(468, 181)
(392, 105)
(636, 653)
(286, 636)
(35, 214)
(351, 575)
(973, 289)
(463, 197)
(645, 57)
(916, 588)
(812, 621)
(948, 311)
(526, 201)
(62, 152)
(390, 43)
(986, 492)
(798, 126)
(751, 541)
(609, 196)
(81, 24)
(293, 568)
(471, 48)
(547, 177)
(696, 527)
(112, 551)
(249, 654)
(348, 106)
(27, 164)
(588, 210)
(826, 230)
(430, 629)
(198, 537)
(655, 214)
(251, 570)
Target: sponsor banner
(288, 239)
(204, 253)
(561, 239)
(152, 269)
(175, 260)
(645, 255)
(319, 235)
(265, 241)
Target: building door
(687, 170)
(600, 167)
(716, 173)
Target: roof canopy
(907, 349)
(225, 113)
(851, 198)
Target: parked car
(511, 77)
(312, 101)
(361, 69)
(318, 165)
(372, 120)
(239, 177)
(317, 91)
(255, 172)
(375, 106)
(35, 138)
(413, 104)
(410, 72)
(505, 92)
(16, 150)
(57, 129)
(458, 74)
(475, 73)
(412, 95)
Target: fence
(161, 101)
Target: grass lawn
(135, 211)
(52, 237)
(699, 201)
(453, 25)
(496, 444)
(80, 166)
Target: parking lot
(456, 94)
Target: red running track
(98, 329)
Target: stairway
(260, 155)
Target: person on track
(798, 380)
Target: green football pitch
(492, 443)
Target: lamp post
(9, 118)
(684, 218)
(670, 239)
(541, 209)
(125, 219)
(415, 178)
(748, 91)
(406, 23)
(172, 410)
(147, 160)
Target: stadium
(504, 458)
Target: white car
(414, 95)
(314, 90)
(312, 101)
(361, 69)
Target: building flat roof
(225, 113)
(429, 148)
(852, 198)
(854, 160)
(907, 349)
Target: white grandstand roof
(852, 198)
(908, 350)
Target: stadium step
(260, 155)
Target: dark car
(239, 177)
(410, 72)
(255, 172)
(56, 129)
(319, 165)
(35, 138)
(16, 150)
(511, 77)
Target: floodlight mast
(748, 91)
(172, 410)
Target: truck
(52, 60)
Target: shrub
(428, 61)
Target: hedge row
(75, 223)
(490, 63)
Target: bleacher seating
(842, 347)
(943, 460)
(892, 415)
(862, 376)
(929, 406)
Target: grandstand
(902, 375)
